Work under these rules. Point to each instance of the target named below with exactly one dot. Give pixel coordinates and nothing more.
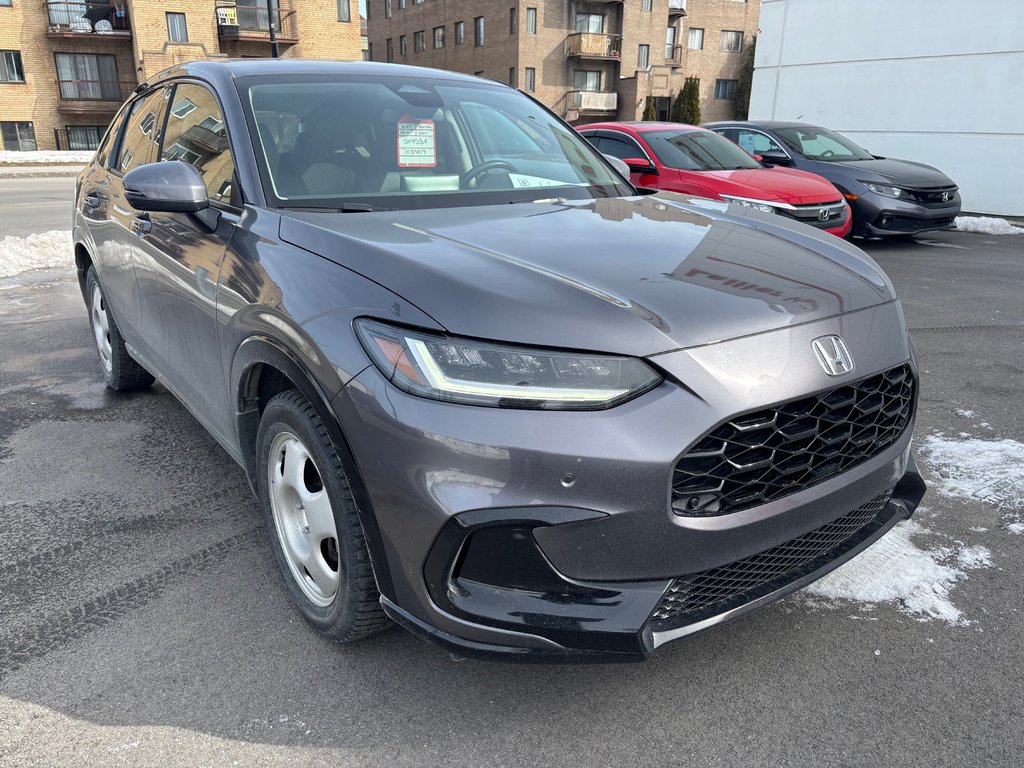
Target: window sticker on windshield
(417, 146)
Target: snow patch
(43, 250)
(44, 157)
(963, 413)
(987, 225)
(984, 470)
(895, 570)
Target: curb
(37, 172)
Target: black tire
(120, 371)
(354, 612)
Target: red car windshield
(698, 151)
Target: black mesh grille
(768, 454)
(699, 595)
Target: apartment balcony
(252, 21)
(92, 97)
(594, 45)
(676, 8)
(674, 55)
(95, 21)
(593, 102)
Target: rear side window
(622, 148)
(756, 143)
(196, 134)
(138, 140)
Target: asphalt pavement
(30, 204)
(143, 621)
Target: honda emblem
(833, 356)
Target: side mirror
(173, 187)
(641, 165)
(774, 158)
(618, 165)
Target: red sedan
(694, 161)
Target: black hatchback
(888, 197)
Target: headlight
(481, 373)
(882, 189)
(758, 205)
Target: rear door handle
(141, 225)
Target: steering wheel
(484, 168)
(827, 154)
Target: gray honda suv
(482, 386)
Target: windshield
(698, 151)
(372, 143)
(822, 144)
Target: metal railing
(95, 90)
(595, 45)
(674, 53)
(87, 18)
(675, 6)
(254, 20)
(594, 101)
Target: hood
(783, 185)
(896, 172)
(635, 276)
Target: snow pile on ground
(987, 225)
(44, 250)
(895, 570)
(45, 157)
(985, 470)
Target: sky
(362, 7)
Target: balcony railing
(252, 21)
(674, 54)
(92, 95)
(594, 45)
(68, 19)
(676, 7)
(594, 101)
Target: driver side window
(196, 134)
(621, 148)
(757, 143)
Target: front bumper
(549, 535)
(876, 215)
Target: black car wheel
(316, 535)
(120, 371)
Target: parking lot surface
(144, 621)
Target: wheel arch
(83, 260)
(262, 367)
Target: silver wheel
(303, 518)
(101, 327)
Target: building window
(10, 69)
(530, 80)
(589, 22)
(387, 9)
(645, 5)
(460, 32)
(643, 57)
(419, 44)
(670, 43)
(403, 45)
(731, 41)
(725, 89)
(18, 137)
(177, 30)
(417, 2)
(88, 76)
(478, 32)
(182, 106)
(5, 2)
(83, 138)
(389, 49)
(513, 20)
(695, 39)
(439, 37)
(401, 4)
(586, 80)
(344, 10)
(531, 21)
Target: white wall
(936, 81)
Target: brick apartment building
(67, 65)
(587, 60)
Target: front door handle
(141, 225)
